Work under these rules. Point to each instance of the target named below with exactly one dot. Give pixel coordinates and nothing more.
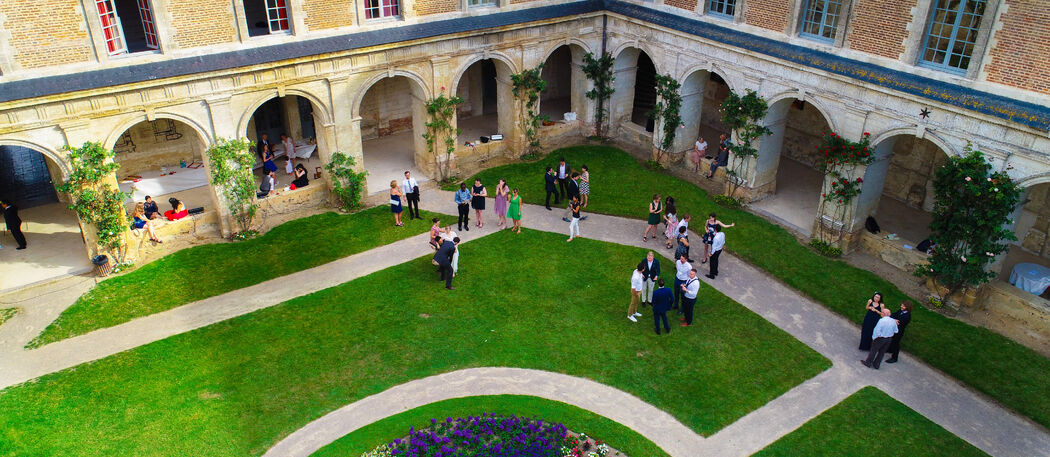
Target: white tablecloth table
(153, 184)
(1030, 277)
(302, 150)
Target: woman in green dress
(655, 208)
(514, 210)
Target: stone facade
(328, 14)
(202, 23)
(774, 15)
(1021, 55)
(44, 33)
(880, 27)
(424, 8)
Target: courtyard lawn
(870, 423)
(985, 360)
(205, 271)
(237, 387)
(578, 420)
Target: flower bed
(492, 435)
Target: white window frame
(470, 4)
(107, 13)
(381, 8)
(273, 17)
(149, 25)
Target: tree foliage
(526, 87)
(95, 201)
(841, 160)
(742, 115)
(347, 183)
(441, 111)
(668, 112)
(599, 71)
(970, 216)
(231, 163)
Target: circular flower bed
(491, 435)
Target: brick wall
(768, 14)
(683, 4)
(46, 32)
(521, 1)
(202, 22)
(1021, 56)
(880, 26)
(425, 7)
(328, 14)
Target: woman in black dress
(301, 180)
(874, 307)
(477, 200)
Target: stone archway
(162, 158)
(393, 117)
(488, 102)
(702, 94)
(635, 88)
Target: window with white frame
(724, 8)
(378, 9)
(480, 3)
(265, 17)
(952, 34)
(127, 26)
(820, 18)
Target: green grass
(206, 271)
(985, 360)
(578, 420)
(7, 313)
(237, 387)
(870, 423)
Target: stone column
(292, 122)
(848, 217)
(762, 174)
(621, 103)
(76, 134)
(224, 125)
(513, 137)
(692, 111)
(583, 106)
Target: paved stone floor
(970, 415)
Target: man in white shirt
(411, 189)
(881, 338)
(637, 283)
(717, 244)
(562, 173)
(289, 147)
(682, 268)
(689, 290)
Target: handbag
(395, 202)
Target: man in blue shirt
(662, 299)
(463, 201)
(882, 336)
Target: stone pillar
(583, 106)
(692, 111)
(763, 173)
(850, 216)
(475, 93)
(622, 101)
(292, 123)
(513, 137)
(77, 133)
(224, 125)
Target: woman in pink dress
(501, 203)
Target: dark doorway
(644, 92)
(24, 177)
(269, 119)
(136, 21)
(488, 86)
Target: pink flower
(963, 258)
(967, 178)
(442, 88)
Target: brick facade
(1021, 53)
(202, 23)
(46, 32)
(328, 14)
(425, 7)
(880, 26)
(768, 14)
(683, 4)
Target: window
(127, 26)
(376, 9)
(477, 3)
(725, 8)
(265, 17)
(820, 18)
(277, 15)
(952, 35)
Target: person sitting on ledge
(266, 188)
(150, 208)
(926, 246)
(301, 180)
(177, 211)
(140, 221)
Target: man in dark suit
(14, 223)
(903, 319)
(551, 189)
(562, 172)
(651, 273)
(443, 259)
(662, 299)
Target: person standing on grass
(655, 214)
(689, 290)
(684, 223)
(443, 260)
(585, 184)
(699, 152)
(637, 283)
(548, 184)
(514, 210)
(709, 234)
(682, 268)
(435, 233)
(671, 220)
(477, 200)
(410, 188)
(651, 274)
(662, 299)
(449, 235)
(717, 243)
(574, 225)
(396, 197)
(462, 199)
(903, 318)
(562, 172)
(500, 207)
(882, 336)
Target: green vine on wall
(347, 183)
(970, 220)
(441, 111)
(231, 163)
(95, 201)
(742, 114)
(667, 111)
(840, 162)
(599, 71)
(526, 87)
